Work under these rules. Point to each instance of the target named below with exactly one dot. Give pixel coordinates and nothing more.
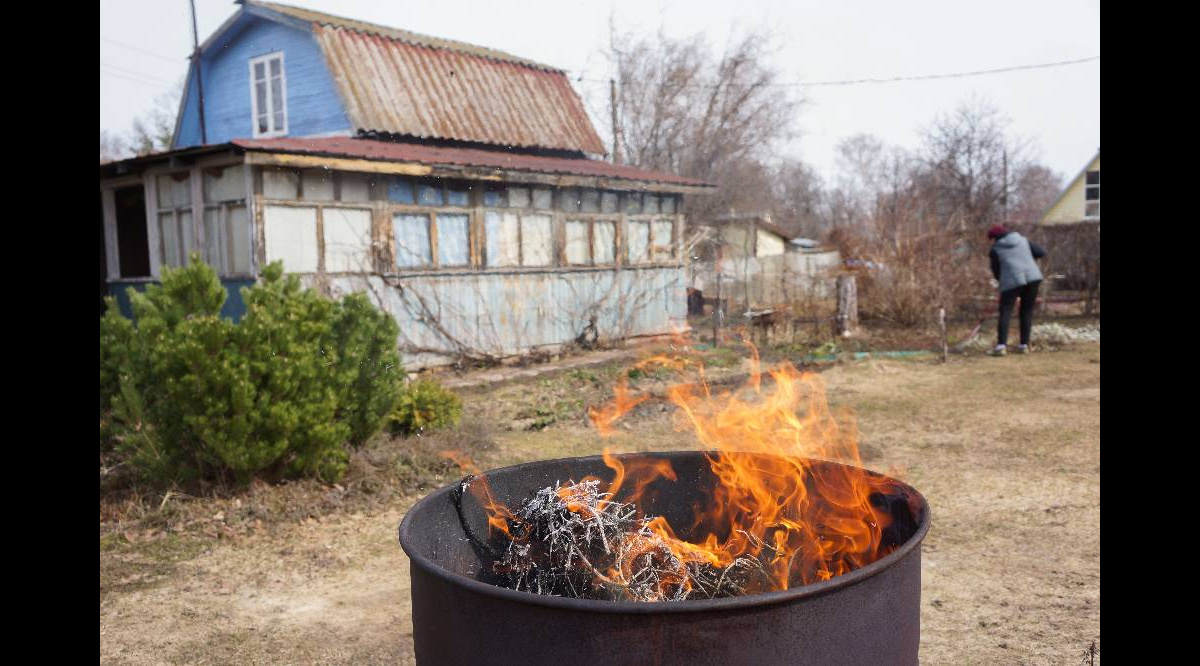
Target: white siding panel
(503, 245)
(537, 241)
(577, 243)
(291, 237)
(347, 240)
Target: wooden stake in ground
(847, 306)
(945, 340)
(717, 311)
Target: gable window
(1091, 195)
(268, 95)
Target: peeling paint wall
(444, 317)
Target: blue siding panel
(119, 291)
(234, 308)
(313, 104)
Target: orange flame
(805, 522)
(605, 417)
(499, 515)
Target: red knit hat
(995, 231)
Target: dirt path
(1006, 450)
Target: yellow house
(1080, 201)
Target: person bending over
(1014, 267)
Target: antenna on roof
(199, 78)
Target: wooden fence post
(717, 313)
(945, 342)
(847, 305)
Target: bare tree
(1034, 189)
(714, 117)
(151, 132)
(969, 157)
(799, 200)
(112, 147)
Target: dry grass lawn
(1007, 451)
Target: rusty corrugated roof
(321, 18)
(402, 83)
(369, 149)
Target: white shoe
(999, 350)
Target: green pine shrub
(191, 395)
(425, 405)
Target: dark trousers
(1028, 296)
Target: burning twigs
(573, 540)
(767, 515)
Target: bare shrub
(1073, 252)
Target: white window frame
(266, 61)
(1087, 201)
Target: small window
(590, 201)
(347, 240)
(650, 204)
(608, 202)
(452, 234)
(604, 242)
(518, 197)
(281, 184)
(174, 195)
(225, 184)
(291, 237)
(239, 240)
(317, 185)
(639, 242)
(493, 198)
(175, 230)
(226, 223)
(537, 241)
(268, 95)
(662, 240)
(570, 200)
(503, 239)
(633, 203)
(543, 199)
(590, 242)
(1091, 195)
(174, 190)
(578, 245)
(668, 204)
(429, 195)
(458, 197)
(412, 240)
(400, 190)
(355, 188)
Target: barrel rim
(803, 592)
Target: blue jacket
(1013, 262)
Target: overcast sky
(144, 44)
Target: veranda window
(175, 233)
(226, 220)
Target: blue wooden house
(461, 187)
